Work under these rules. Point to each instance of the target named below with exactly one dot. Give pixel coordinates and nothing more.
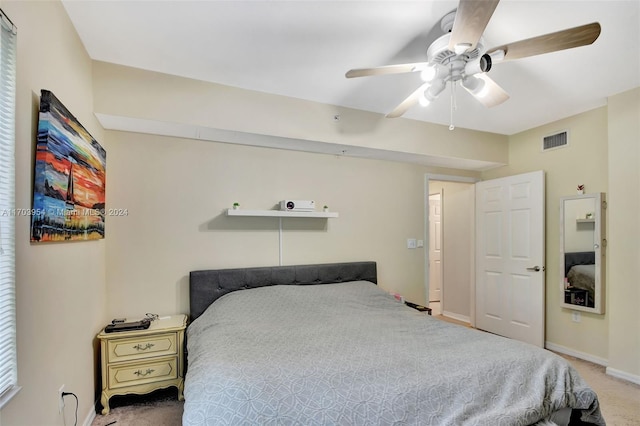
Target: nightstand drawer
(123, 375)
(141, 347)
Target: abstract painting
(69, 178)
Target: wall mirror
(582, 250)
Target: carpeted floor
(159, 408)
(619, 402)
(619, 399)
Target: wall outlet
(575, 316)
(60, 400)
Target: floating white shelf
(280, 213)
(585, 220)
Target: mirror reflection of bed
(580, 274)
(582, 251)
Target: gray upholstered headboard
(207, 286)
(578, 258)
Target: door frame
(440, 195)
(425, 193)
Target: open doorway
(434, 247)
(450, 252)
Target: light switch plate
(411, 243)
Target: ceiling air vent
(555, 141)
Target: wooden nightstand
(142, 361)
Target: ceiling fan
(460, 56)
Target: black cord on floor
(74, 395)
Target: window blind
(8, 358)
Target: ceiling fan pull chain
(453, 104)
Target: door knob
(534, 269)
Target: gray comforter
(349, 354)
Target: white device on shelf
(298, 205)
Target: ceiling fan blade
(387, 69)
(491, 94)
(560, 40)
(472, 18)
(410, 101)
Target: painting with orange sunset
(69, 178)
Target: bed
(324, 345)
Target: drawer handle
(141, 373)
(139, 347)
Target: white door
(510, 274)
(435, 248)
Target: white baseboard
(455, 316)
(619, 374)
(92, 415)
(633, 378)
(577, 354)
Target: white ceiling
(303, 48)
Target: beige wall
(182, 102)
(624, 235)
(176, 192)
(583, 161)
(60, 288)
(172, 174)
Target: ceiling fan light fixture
(470, 83)
(476, 86)
(429, 73)
(431, 93)
(487, 86)
(497, 55)
(437, 87)
(427, 97)
(484, 91)
(482, 64)
(434, 72)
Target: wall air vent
(558, 140)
